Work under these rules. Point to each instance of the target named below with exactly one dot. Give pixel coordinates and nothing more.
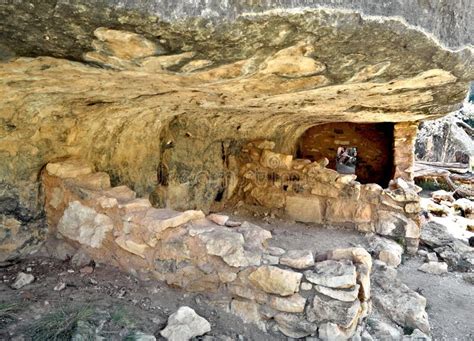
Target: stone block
(273, 160)
(291, 304)
(307, 209)
(344, 210)
(274, 280)
(298, 259)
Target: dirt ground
(123, 304)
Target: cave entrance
(352, 148)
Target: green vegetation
(432, 185)
(8, 313)
(60, 324)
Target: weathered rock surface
(323, 309)
(388, 251)
(295, 326)
(439, 140)
(436, 268)
(185, 324)
(275, 280)
(298, 259)
(84, 225)
(345, 295)
(399, 303)
(190, 94)
(333, 274)
(458, 254)
(22, 279)
(292, 304)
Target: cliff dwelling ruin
(158, 137)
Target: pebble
(60, 286)
(87, 270)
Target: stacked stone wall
(293, 292)
(310, 192)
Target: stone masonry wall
(404, 146)
(309, 192)
(287, 291)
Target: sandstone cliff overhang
(176, 89)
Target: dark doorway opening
(371, 143)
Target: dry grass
(59, 325)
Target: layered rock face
(163, 100)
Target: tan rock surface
(274, 280)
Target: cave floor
(124, 304)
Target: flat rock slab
(229, 245)
(185, 324)
(274, 280)
(158, 220)
(298, 259)
(292, 304)
(68, 169)
(333, 274)
(345, 295)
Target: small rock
(298, 259)
(185, 324)
(22, 279)
(80, 259)
(87, 270)
(441, 195)
(218, 219)
(305, 286)
(29, 269)
(230, 223)
(270, 260)
(275, 251)
(60, 286)
(431, 257)
(422, 252)
(436, 268)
